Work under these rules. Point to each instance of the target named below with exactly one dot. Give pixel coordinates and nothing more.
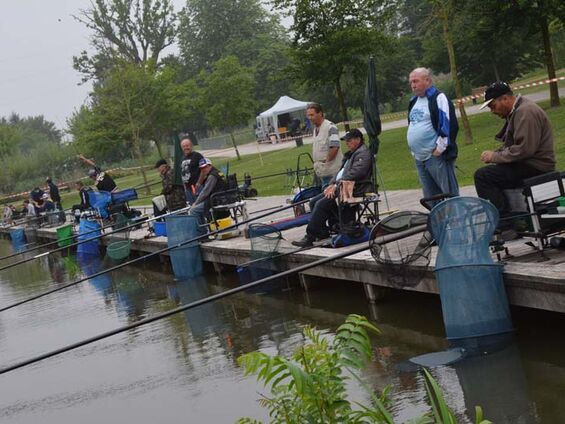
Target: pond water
(183, 369)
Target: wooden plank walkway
(530, 280)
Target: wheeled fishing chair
(227, 208)
(538, 208)
(112, 207)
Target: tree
(543, 12)
(332, 39)
(227, 95)
(211, 30)
(136, 31)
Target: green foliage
(125, 30)
(310, 387)
(227, 93)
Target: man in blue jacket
(432, 130)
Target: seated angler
(213, 182)
(356, 170)
(527, 148)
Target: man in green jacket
(527, 146)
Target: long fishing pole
(381, 240)
(290, 171)
(119, 230)
(279, 255)
(157, 252)
(90, 238)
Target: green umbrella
(179, 155)
(371, 116)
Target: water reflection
(186, 365)
(498, 384)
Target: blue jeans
(437, 176)
(190, 196)
(200, 211)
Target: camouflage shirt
(174, 194)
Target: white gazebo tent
(279, 116)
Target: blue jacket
(444, 120)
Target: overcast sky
(38, 39)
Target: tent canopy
(284, 104)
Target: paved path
(253, 148)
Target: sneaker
(306, 241)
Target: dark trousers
(326, 210)
(492, 180)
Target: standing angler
(432, 130)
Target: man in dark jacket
(190, 169)
(174, 194)
(356, 170)
(54, 193)
(213, 182)
(527, 146)
(103, 181)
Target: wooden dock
(531, 281)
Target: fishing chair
(366, 207)
(542, 196)
(107, 206)
(227, 207)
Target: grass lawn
(394, 160)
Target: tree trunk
(139, 156)
(549, 62)
(234, 145)
(444, 16)
(496, 73)
(341, 101)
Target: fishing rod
(380, 240)
(132, 261)
(119, 230)
(240, 267)
(244, 265)
(289, 171)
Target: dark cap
(495, 90)
(354, 133)
(160, 162)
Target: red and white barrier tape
(516, 87)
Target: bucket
(186, 260)
(18, 236)
(160, 229)
(64, 236)
(119, 250)
(87, 232)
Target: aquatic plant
(310, 386)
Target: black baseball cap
(160, 162)
(495, 90)
(354, 133)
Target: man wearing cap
(325, 144)
(103, 181)
(174, 194)
(213, 182)
(54, 193)
(527, 146)
(190, 170)
(432, 130)
(356, 171)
